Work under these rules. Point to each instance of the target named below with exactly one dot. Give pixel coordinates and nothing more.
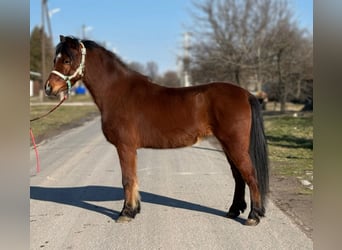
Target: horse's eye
(66, 61)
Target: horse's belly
(176, 138)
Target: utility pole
(186, 59)
(49, 15)
(45, 17)
(41, 93)
(84, 31)
(48, 22)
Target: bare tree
(137, 67)
(250, 42)
(170, 79)
(292, 52)
(232, 33)
(151, 70)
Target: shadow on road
(80, 196)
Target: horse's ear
(62, 38)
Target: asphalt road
(186, 193)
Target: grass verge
(290, 143)
(61, 118)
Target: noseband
(79, 70)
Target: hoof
(233, 215)
(252, 222)
(128, 213)
(236, 208)
(123, 219)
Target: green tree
(36, 51)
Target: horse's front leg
(128, 160)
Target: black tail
(258, 149)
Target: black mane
(73, 42)
(69, 42)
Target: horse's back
(225, 91)
(227, 101)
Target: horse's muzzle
(48, 88)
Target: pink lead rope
(36, 151)
(32, 136)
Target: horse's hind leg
(131, 206)
(242, 168)
(239, 203)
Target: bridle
(79, 70)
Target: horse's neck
(110, 85)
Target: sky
(136, 30)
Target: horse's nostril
(48, 88)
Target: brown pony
(138, 113)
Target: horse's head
(68, 66)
